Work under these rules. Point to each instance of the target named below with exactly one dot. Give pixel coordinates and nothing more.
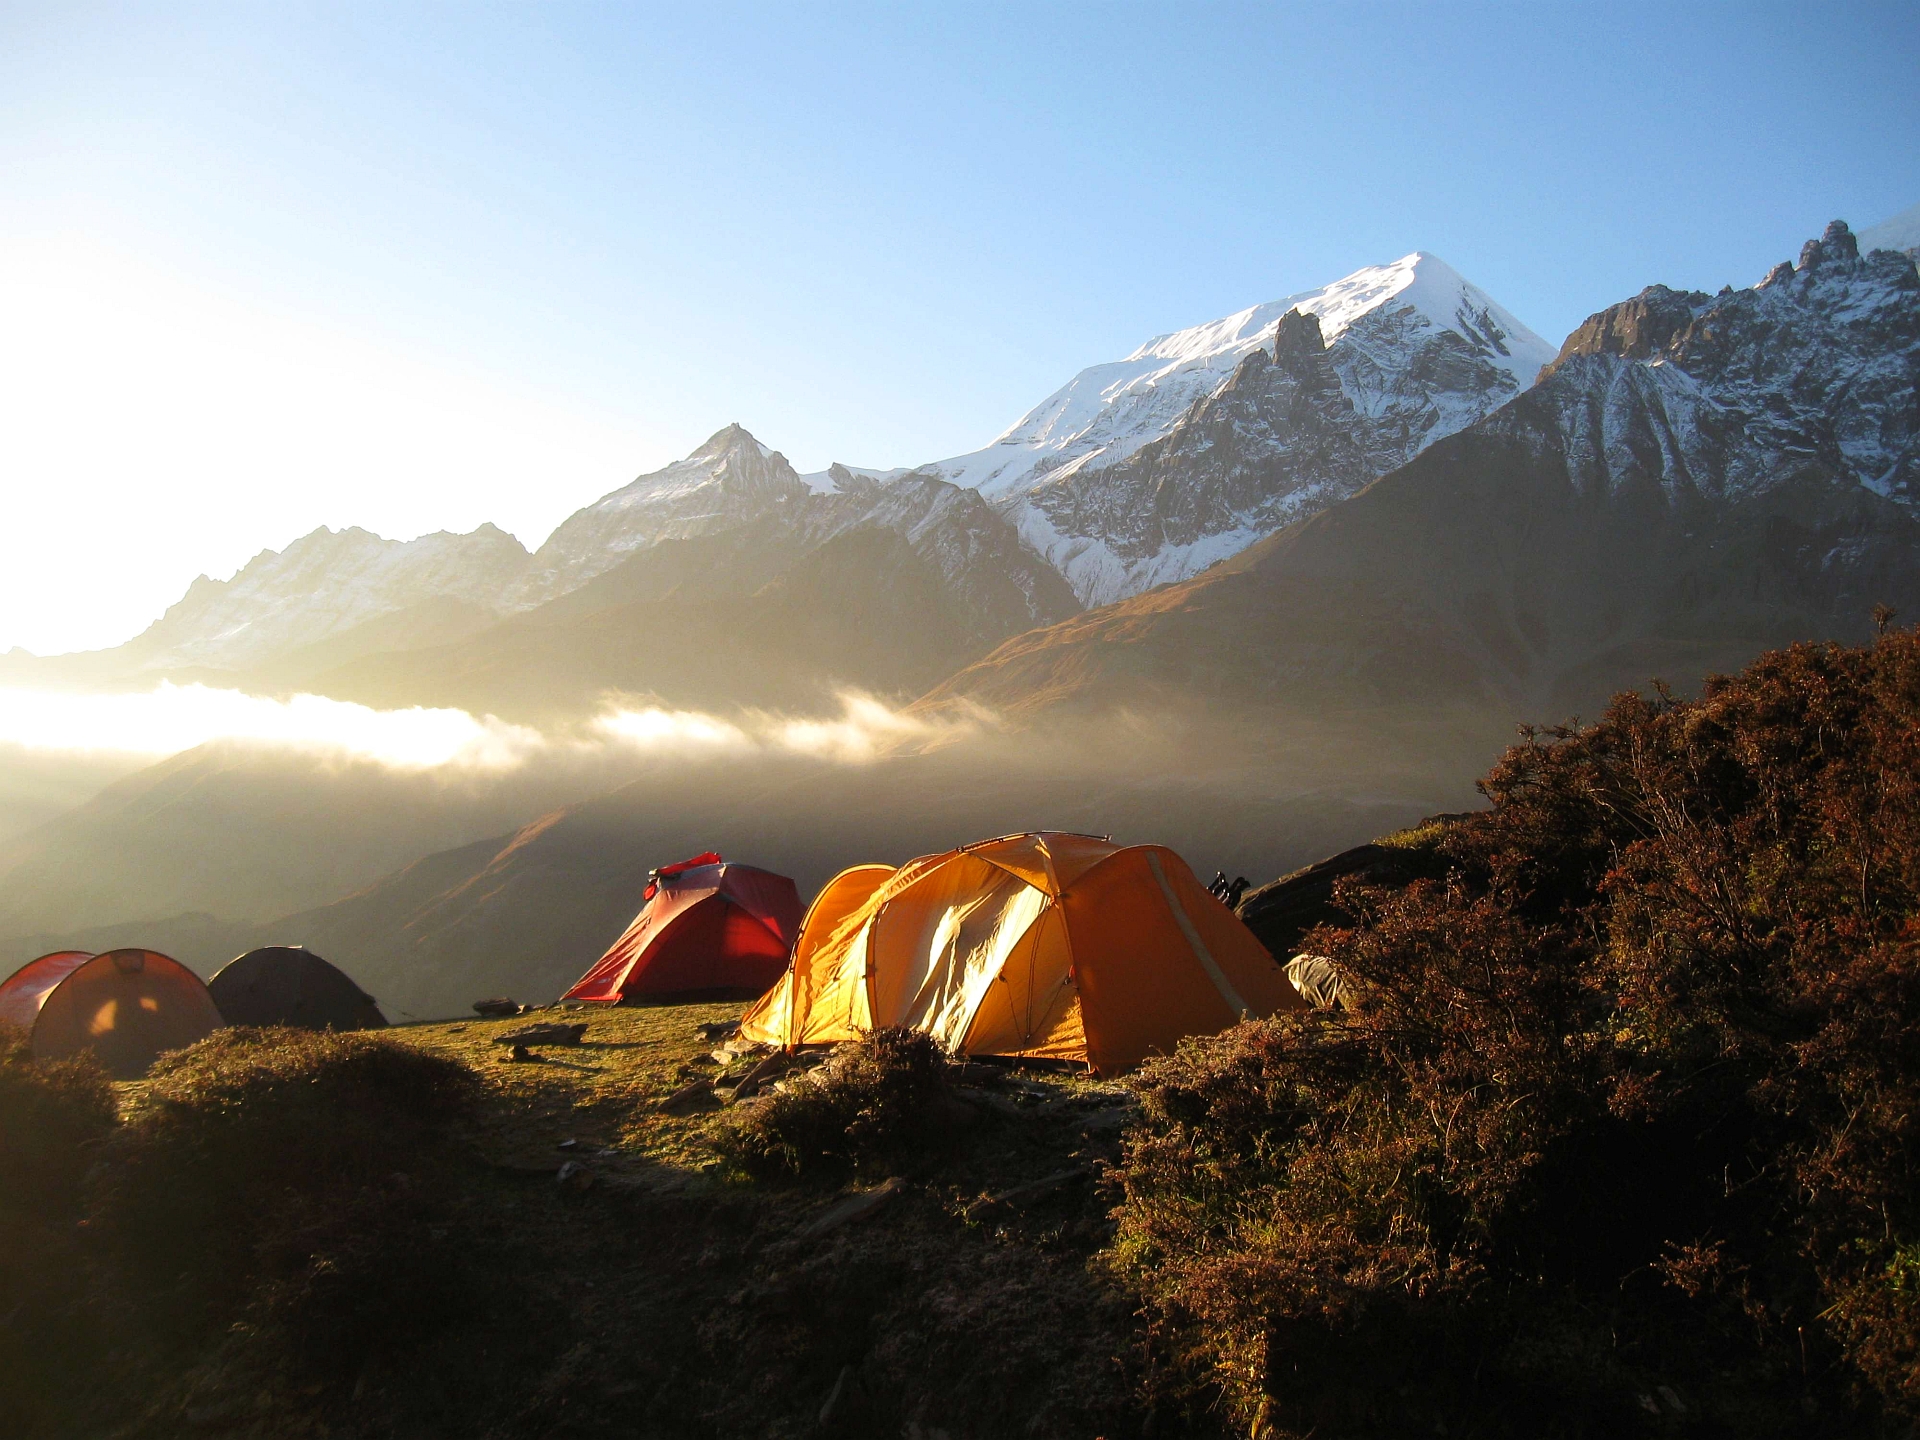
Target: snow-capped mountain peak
(730, 479)
(731, 459)
(1107, 412)
(1417, 350)
(1121, 479)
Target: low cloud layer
(171, 718)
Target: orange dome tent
(127, 1006)
(705, 926)
(1047, 945)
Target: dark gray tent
(290, 985)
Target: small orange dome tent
(1048, 945)
(127, 1006)
(705, 927)
(290, 985)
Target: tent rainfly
(290, 985)
(127, 1006)
(1045, 945)
(705, 927)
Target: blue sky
(411, 266)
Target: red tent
(23, 992)
(705, 926)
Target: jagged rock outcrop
(1818, 364)
(1637, 329)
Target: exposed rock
(1838, 241)
(861, 1205)
(1639, 328)
(1282, 911)
(323, 585)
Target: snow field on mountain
(1107, 412)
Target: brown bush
(49, 1114)
(1628, 1100)
(52, 1119)
(299, 1182)
(874, 1103)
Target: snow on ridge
(728, 449)
(822, 482)
(1107, 412)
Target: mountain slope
(250, 832)
(1695, 479)
(1134, 473)
(526, 913)
(1412, 349)
(881, 585)
(320, 586)
(730, 480)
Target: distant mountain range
(1134, 473)
(1442, 545)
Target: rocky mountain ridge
(774, 594)
(1148, 470)
(730, 480)
(1414, 349)
(1695, 479)
(332, 599)
(1818, 364)
(321, 585)
(1134, 473)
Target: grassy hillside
(299, 1236)
(1611, 1132)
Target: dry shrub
(1629, 1099)
(876, 1101)
(52, 1117)
(300, 1184)
(49, 1113)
